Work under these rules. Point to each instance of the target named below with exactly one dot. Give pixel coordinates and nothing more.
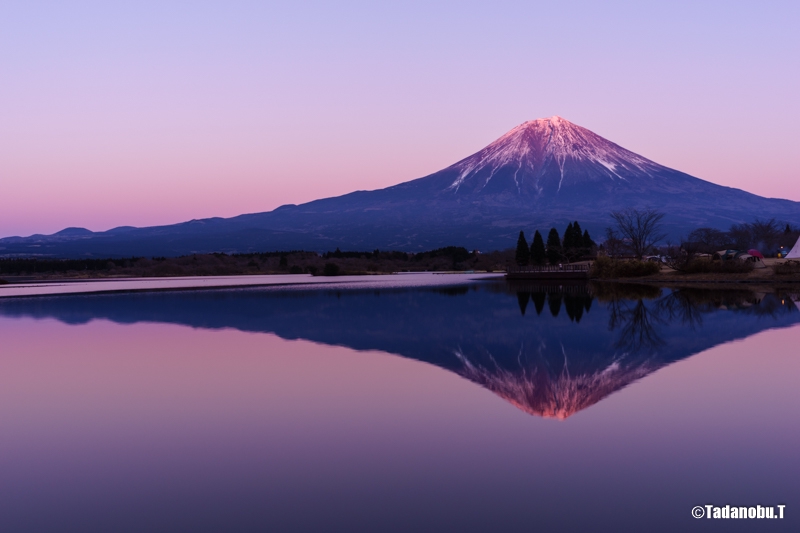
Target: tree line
(16, 266)
(456, 253)
(575, 244)
(767, 236)
(637, 232)
(277, 262)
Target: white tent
(795, 253)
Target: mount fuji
(541, 174)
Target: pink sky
(147, 114)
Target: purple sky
(147, 113)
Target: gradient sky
(146, 113)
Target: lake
(417, 403)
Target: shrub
(787, 268)
(606, 268)
(458, 254)
(635, 269)
(601, 268)
(704, 266)
(331, 269)
(167, 269)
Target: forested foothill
(634, 246)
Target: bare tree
(641, 228)
(708, 240)
(765, 234)
(679, 257)
(789, 236)
(740, 236)
(613, 244)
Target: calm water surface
(468, 406)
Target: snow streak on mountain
(534, 147)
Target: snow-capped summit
(545, 155)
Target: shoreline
(678, 281)
(200, 283)
(54, 284)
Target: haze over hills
(541, 174)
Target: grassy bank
(777, 272)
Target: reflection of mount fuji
(551, 351)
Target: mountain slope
(542, 173)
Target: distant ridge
(542, 173)
(67, 232)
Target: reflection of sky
(154, 424)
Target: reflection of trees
(554, 303)
(573, 305)
(677, 305)
(538, 301)
(638, 311)
(688, 305)
(636, 323)
(638, 319)
(575, 297)
(522, 299)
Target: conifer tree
(523, 254)
(568, 243)
(538, 253)
(573, 241)
(587, 240)
(577, 235)
(553, 246)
